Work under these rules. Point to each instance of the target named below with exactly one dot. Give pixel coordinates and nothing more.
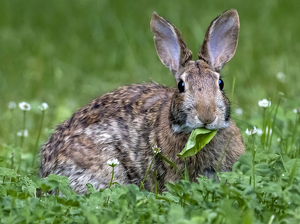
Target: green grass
(67, 53)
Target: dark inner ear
(170, 47)
(221, 40)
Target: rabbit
(130, 121)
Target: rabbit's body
(127, 123)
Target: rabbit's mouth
(187, 127)
(217, 124)
(195, 123)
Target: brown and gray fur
(126, 123)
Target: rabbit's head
(199, 100)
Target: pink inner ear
(222, 42)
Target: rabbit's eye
(181, 86)
(221, 84)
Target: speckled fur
(126, 124)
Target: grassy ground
(67, 53)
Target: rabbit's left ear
(170, 48)
(221, 40)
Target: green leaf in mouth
(197, 140)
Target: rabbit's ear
(221, 40)
(169, 45)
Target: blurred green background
(66, 53)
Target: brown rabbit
(127, 123)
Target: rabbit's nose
(206, 112)
(207, 119)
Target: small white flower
(283, 175)
(267, 128)
(248, 132)
(281, 77)
(23, 133)
(259, 132)
(11, 105)
(264, 103)
(239, 111)
(24, 106)
(156, 149)
(43, 106)
(113, 162)
(251, 132)
(278, 139)
(296, 110)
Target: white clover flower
(239, 111)
(259, 132)
(264, 103)
(43, 106)
(251, 132)
(267, 128)
(113, 162)
(248, 132)
(281, 77)
(156, 149)
(11, 105)
(23, 133)
(24, 106)
(296, 110)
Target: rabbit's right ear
(169, 45)
(221, 40)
